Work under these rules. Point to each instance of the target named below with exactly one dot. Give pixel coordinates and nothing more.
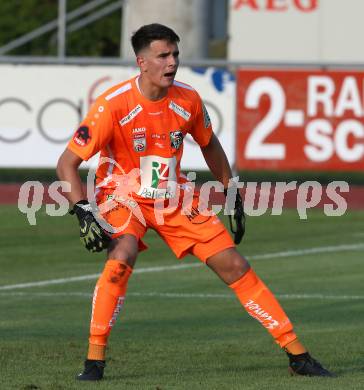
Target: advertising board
(300, 120)
(41, 107)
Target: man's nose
(173, 61)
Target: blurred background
(281, 79)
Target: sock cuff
(96, 351)
(111, 263)
(114, 277)
(286, 338)
(248, 280)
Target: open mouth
(169, 74)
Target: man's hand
(92, 235)
(237, 221)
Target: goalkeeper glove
(92, 235)
(237, 220)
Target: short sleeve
(94, 132)
(201, 129)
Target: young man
(140, 124)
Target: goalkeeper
(140, 125)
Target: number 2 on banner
(255, 146)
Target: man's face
(159, 63)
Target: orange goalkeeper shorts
(188, 232)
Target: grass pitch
(182, 328)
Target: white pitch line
(264, 256)
(181, 295)
(308, 251)
(95, 276)
(166, 268)
(50, 282)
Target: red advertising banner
(300, 120)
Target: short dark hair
(145, 35)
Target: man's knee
(238, 265)
(229, 265)
(124, 248)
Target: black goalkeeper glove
(237, 221)
(92, 235)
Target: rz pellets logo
(160, 173)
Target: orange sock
(295, 348)
(261, 304)
(107, 302)
(96, 352)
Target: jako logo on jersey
(132, 114)
(176, 138)
(139, 130)
(179, 110)
(160, 173)
(82, 136)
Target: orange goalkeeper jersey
(134, 132)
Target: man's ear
(142, 63)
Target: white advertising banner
(41, 107)
(296, 30)
(274, 30)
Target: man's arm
(92, 236)
(217, 161)
(67, 170)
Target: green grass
(169, 337)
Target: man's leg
(108, 300)
(255, 297)
(214, 246)
(261, 304)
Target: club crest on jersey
(206, 117)
(139, 139)
(139, 144)
(82, 136)
(176, 138)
